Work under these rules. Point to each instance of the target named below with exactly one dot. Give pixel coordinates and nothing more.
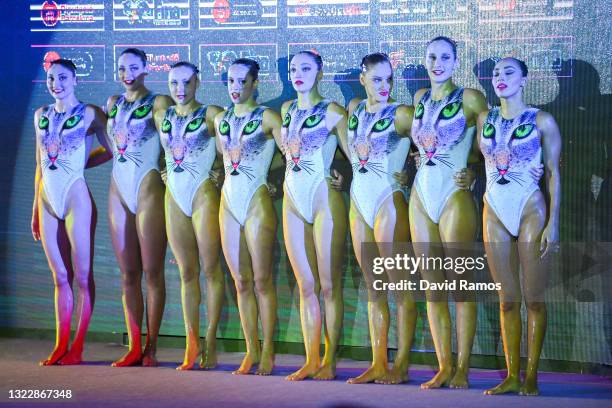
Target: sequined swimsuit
(247, 154)
(377, 152)
(190, 153)
(511, 147)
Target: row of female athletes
(207, 146)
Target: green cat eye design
(313, 121)
(195, 124)
(488, 131)
(522, 131)
(166, 126)
(43, 123)
(251, 127)
(224, 128)
(353, 122)
(450, 110)
(287, 120)
(113, 112)
(419, 111)
(72, 121)
(142, 111)
(382, 125)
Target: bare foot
(441, 379)
(191, 354)
(131, 358)
(54, 357)
(209, 357)
(266, 363)
(510, 384)
(247, 363)
(529, 387)
(327, 371)
(373, 373)
(460, 380)
(149, 355)
(396, 375)
(307, 370)
(72, 357)
(149, 359)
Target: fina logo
(50, 14)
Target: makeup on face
(440, 61)
(303, 72)
(240, 85)
(378, 82)
(60, 81)
(131, 71)
(507, 78)
(183, 84)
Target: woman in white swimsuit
(518, 227)
(442, 209)
(246, 133)
(135, 204)
(314, 214)
(64, 214)
(192, 208)
(377, 145)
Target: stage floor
(96, 384)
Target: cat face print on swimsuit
(303, 133)
(371, 137)
(130, 125)
(438, 126)
(185, 137)
(59, 134)
(509, 145)
(242, 140)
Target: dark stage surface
(96, 384)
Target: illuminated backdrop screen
(565, 44)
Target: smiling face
(131, 71)
(304, 72)
(183, 83)
(60, 81)
(440, 61)
(507, 78)
(378, 81)
(240, 85)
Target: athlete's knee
(507, 307)
(536, 307)
(264, 284)
(243, 285)
(328, 290)
(189, 274)
(131, 278)
(83, 280)
(307, 288)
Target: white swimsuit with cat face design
(64, 149)
(440, 131)
(247, 154)
(377, 152)
(190, 153)
(511, 147)
(136, 145)
(309, 148)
